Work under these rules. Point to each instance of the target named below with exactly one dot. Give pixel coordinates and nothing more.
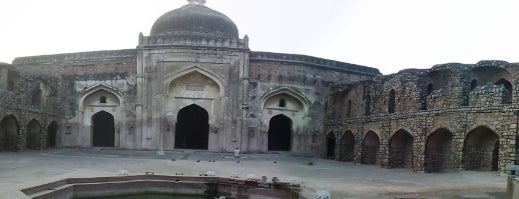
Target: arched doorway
(33, 135)
(438, 151)
(279, 134)
(330, 145)
(370, 147)
(192, 128)
(481, 150)
(52, 131)
(8, 133)
(401, 150)
(103, 129)
(347, 146)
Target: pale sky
(390, 35)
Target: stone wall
(27, 109)
(453, 98)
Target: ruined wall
(27, 108)
(440, 106)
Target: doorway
(103, 129)
(192, 128)
(279, 133)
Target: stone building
(193, 83)
(450, 117)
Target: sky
(388, 35)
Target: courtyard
(20, 170)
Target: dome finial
(196, 2)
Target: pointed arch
(52, 134)
(192, 128)
(288, 91)
(481, 149)
(99, 88)
(330, 145)
(347, 146)
(103, 129)
(33, 137)
(506, 95)
(370, 148)
(280, 133)
(9, 128)
(438, 156)
(195, 69)
(401, 149)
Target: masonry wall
(444, 114)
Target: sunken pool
(161, 186)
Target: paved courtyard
(344, 180)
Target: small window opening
(102, 100)
(282, 103)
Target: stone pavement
(344, 180)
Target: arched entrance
(347, 146)
(401, 150)
(370, 147)
(52, 131)
(481, 150)
(103, 129)
(438, 151)
(330, 145)
(192, 128)
(279, 134)
(33, 135)
(8, 133)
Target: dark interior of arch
(52, 131)
(401, 150)
(103, 134)
(279, 133)
(8, 133)
(33, 135)
(370, 148)
(438, 151)
(481, 150)
(347, 147)
(506, 95)
(330, 145)
(192, 128)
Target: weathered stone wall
(26, 98)
(306, 78)
(70, 78)
(462, 99)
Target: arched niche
(481, 150)
(347, 148)
(370, 148)
(95, 100)
(52, 134)
(192, 128)
(401, 150)
(330, 145)
(9, 133)
(33, 136)
(194, 87)
(438, 155)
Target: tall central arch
(192, 128)
(279, 134)
(103, 131)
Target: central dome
(195, 19)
